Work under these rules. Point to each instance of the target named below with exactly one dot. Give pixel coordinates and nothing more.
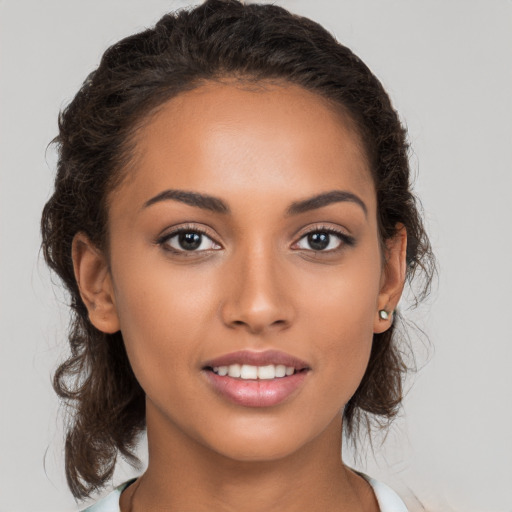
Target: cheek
(163, 314)
(342, 301)
(342, 318)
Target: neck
(183, 474)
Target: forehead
(223, 137)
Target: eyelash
(163, 240)
(345, 240)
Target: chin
(260, 441)
(258, 451)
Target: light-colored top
(387, 498)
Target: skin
(257, 285)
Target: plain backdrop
(447, 66)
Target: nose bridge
(257, 299)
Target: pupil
(318, 241)
(189, 241)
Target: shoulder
(388, 500)
(109, 503)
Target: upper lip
(253, 358)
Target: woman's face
(245, 240)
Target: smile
(256, 379)
(247, 371)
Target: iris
(189, 241)
(319, 240)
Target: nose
(257, 297)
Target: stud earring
(383, 314)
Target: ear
(393, 278)
(95, 283)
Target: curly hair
(215, 40)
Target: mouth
(250, 365)
(252, 372)
(256, 379)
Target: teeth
(233, 370)
(223, 370)
(281, 370)
(266, 372)
(250, 372)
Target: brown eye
(321, 241)
(189, 241)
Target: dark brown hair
(216, 40)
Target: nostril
(256, 312)
(258, 324)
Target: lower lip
(256, 393)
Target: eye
(188, 240)
(324, 240)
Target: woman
(233, 219)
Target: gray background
(447, 66)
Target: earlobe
(393, 279)
(95, 283)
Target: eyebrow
(214, 204)
(196, 199)
(334, 196)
